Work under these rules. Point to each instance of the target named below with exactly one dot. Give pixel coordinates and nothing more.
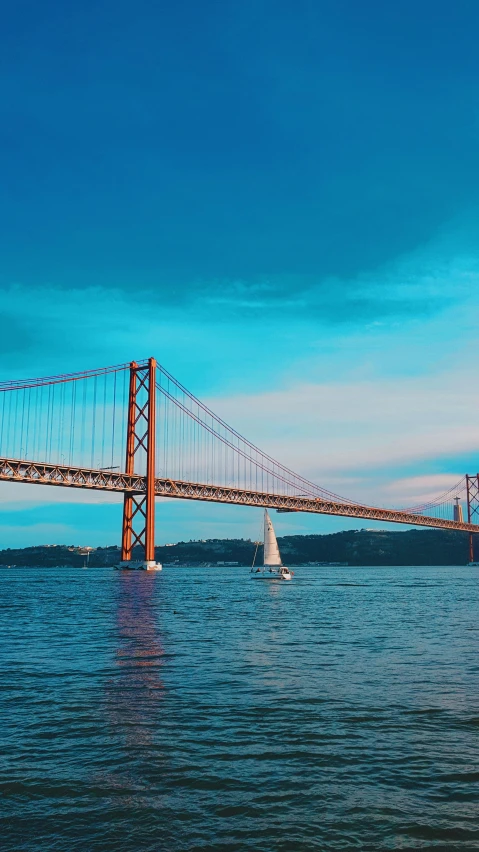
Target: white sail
(271, 549)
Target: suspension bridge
(134, 429)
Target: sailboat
(273, 568)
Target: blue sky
(278, 200)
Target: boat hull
(281, 574)
(265, 577)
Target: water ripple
(185, 711)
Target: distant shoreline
(351, 548)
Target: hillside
(364, 547)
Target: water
(200, 710)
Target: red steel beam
(17, 470)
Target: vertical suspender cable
(83, 415)
(113, 420)
(2, 448)
(72, 423)
(51, 424)
(103, 424)
(22, 426)
(93, 419)
(28, 424)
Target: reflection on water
(135, 691)
(139, 652)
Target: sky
(277, 200)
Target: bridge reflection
(136, 690)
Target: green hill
(363, 547)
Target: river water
(197, 709)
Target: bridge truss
(135, 486)
(161, 441)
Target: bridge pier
(131, 565)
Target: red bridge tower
(139, 508)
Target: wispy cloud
(415, 490)
(16, 494)
(362, 430)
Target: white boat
(273, 568)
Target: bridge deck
(17, 470)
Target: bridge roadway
(17, 470)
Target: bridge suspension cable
(75, 418)
(443, 506)
(79, 420)
(226, 455)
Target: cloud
(78, 317)
(361, 429)
(12, 494)
(415, 490)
